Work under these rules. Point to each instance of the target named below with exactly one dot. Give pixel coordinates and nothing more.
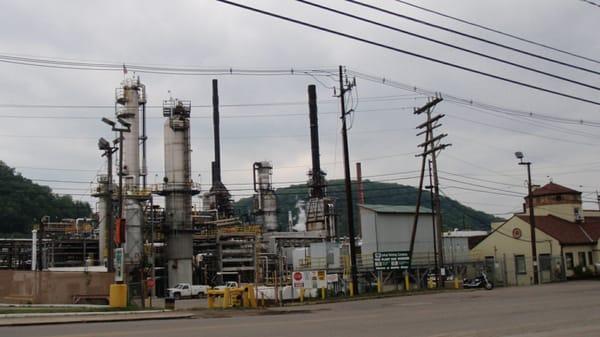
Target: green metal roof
(395, 209)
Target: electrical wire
(470, 102)
(539, 124)
(209, 106)
(402, 51)
(589, 2)
(520, 132)
(471, 23)
(471, 51)
(541, 57)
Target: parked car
(229, 284)
(186, 290)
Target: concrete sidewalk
(88, 317)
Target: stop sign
(297, 276)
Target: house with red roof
(567, 239)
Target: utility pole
(430, 146)
(437, 205)
(598, 198)
(433, 218)
(520, 156)
(109, 209)
(344, 88)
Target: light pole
(125, 127)
(520, 156)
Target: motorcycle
(480, 281)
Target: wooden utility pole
(423, 156)
(431, 146)
(345, 87)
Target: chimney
(216, 165)
(317, 176)
(361, 190)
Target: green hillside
(23, 203)
(454, 213)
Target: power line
(539, 124)
(470, 102)
(521, 132)
(482, 191)
(207, 106)
(471, 51)
(266, 115)
(379, 9)
(591, 3)
(449, 64)
(167, 70)
(498, 31)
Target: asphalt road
(567, 309)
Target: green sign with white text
(383, 261)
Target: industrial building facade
(566, 239)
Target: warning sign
(298, 279)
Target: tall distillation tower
(129, 98)
(265, 200)
(178, 189)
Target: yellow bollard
(226, 298)
(322, 293)
(406, 282)
(252, 296)
(351, 289)
(262, 300)
(118, 295)
(210, 300)
(455, 283)
(379, 287)
(301, 295)
(245, 299)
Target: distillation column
(129, 97)
(265, 200)
(178, 190)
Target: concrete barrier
(46, 287)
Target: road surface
(567, 309)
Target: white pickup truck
(182, 290)
(230, 284)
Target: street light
(520, 156)
(105, 146)
(125, 127)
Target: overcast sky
(208, 34)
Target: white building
(458, 243)
(387, 228)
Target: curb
(87, 313)
(95, 319)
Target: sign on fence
(298, 279)
(119, 265)
(383, 261)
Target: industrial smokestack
(317, 177)
(219, 197)
(216, 165)
(361, 190)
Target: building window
(581, 256)
(520, 267)
(590, 258)
(569, 260)
(545, 262)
